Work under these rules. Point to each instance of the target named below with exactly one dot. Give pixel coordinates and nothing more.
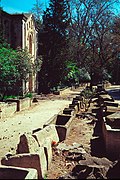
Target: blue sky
(19, 6)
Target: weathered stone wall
(63, 91)
(27, 160)
(25, 103)
(7, 109)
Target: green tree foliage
(14, 67)
(72, 73)
(76, 75)
(55, 23)
(23, 63)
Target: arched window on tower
(30, 44)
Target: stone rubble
(85, 165)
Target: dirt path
(28, 120)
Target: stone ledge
(11, 106)
(10, 172)
(35, 161)
(62, 124)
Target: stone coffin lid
(113, 120)
(115, 115)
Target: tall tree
(90, 34)
(37, 10)
(114, 67)
(55, 23)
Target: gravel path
(28, 120)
